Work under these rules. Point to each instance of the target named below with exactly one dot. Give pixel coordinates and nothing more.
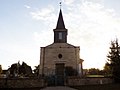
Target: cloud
(47, 15)
(68, 2)
(90, 25)
(26, 6)
(94, 27)
(43, 14)
(95, 1)
(44, 38)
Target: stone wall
(74, 81)
(21, 83)
(39, 83)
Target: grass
(94, 76)
(98, 87)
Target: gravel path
(58, 88)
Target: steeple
(60, 33)
(60, 22)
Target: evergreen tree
(114, 60)
(107, 70)
(0, 69)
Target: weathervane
(60, 4)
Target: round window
(60, 56)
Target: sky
(27, 25)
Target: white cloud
(68, 2)
(43, 14)
(47, 15)
(26, 6)
(44, 38)
(97, 26)
(94, 26)
(90, 25)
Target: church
(60, 58)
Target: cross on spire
(60, 4)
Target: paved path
(58, 88)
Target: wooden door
(59, 73)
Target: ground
(58, 88)
(82, 87)
(99, 87)
(87, 87)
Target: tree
(107, 69)
(20, 70)
(93, 71)
(114, 60)
(14, 70)
(0, 69)
(25, 70)
(36, 70)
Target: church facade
(60, 58)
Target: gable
(62, 45)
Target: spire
(60, 33)
(60, 22)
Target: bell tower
(60, 33)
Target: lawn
(94, 76)
(99, 87)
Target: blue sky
(27, 25)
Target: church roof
(60, 22)
(61, 45)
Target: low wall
(39, 83)
(88, 81)
(21, 83)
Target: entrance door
(59, 71)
